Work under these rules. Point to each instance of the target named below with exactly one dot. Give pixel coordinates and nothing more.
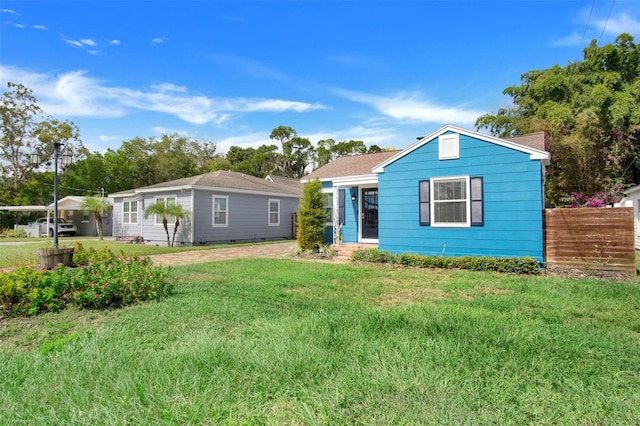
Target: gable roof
(349, 165)
(534, 153)
(224, 181)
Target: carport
(74, 212)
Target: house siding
(155, 233)
(126, 230)
(512, 186)
(248, 218)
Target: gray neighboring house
(224, 207)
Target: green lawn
(26, 252)
(260, 341)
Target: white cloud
(406, 106)
(169, 87)
(157, 41)
(40, 27)
(276, 105)
(159, 130)
(18, 26)
(9, 11)
(76, 94)
(83, 42)
(115, 42)
(252, 140)
(73, 43)
(617, 25)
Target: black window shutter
(477, 202)
(425, 203)
(341, 215)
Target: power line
(588, 21)
(605, 22)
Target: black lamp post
(65, 161)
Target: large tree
(590, 113)
(297, 152)
(19, 113)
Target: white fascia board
(24, 208)
(321, 180)
(355, 180)
(534, 154)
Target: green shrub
(118, 282)
(18, 289)
(373, 256)
(82, 256)
(312, 217)
(98, 285)
(518, 265)
(16, 233)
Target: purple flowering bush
(599, 199)
(100, 284)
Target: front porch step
(345, 250)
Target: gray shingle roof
(532, 140)
(350, 165)
(227, 179)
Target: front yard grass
(264, 341)
(25, 253)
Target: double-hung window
(220, 210)
(274, 212)
(130, 212)
(329, 206)
(451, 202)
(166, 201)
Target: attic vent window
(449, 146)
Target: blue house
(454, 193)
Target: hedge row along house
(454, 192)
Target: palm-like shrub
(98, 206)
(167, 210)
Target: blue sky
(230, 72)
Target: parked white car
(64, 226)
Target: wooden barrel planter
(52, 257)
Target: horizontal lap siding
(248, 216)
(125, 230)
(155, 233)
(512, 203)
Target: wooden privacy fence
(600, 239)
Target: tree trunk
(98, 217)
(175, 229)
(166, 229)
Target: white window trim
(432, 207)
(129, 201)
(445, 140)
(332, 192)
(273, 200)
(213, 211)
(157, 219)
